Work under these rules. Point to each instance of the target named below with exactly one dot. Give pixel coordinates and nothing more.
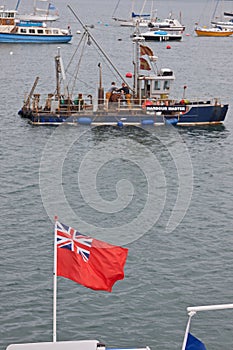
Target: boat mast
(136, 66)
(17, 5)
(143, 7)
(27, 102)
(34, 7)
(116, 7)
(132, 8)
(47, 12)
(215, 10)
(100, 89)
(137, 40)
(58, 71)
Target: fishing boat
(215, 31)
(146, 102)
(14, 30)
(162, 35)
(46, 14)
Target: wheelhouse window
(48, 31)
(157, 85)
(167, 85)
(40, 31)
(55, 31)
(23, 30)
(32, 31)
(7, 15)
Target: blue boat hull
(38, 39)
(196, 115)
(201, 115)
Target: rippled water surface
(164, 193)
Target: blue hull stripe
(23, 38)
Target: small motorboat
(162, 35)
(167, 24)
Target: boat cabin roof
(165, 72)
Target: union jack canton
(68, 238)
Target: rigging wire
(116, 7)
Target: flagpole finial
(55, 218)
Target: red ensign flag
(88, 261)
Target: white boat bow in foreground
(66, 345)
(189, 342)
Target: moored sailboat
(162, 35)
(150, 20)
(45, 14)
(213, 31)
(221, 20)
(168, 24)
(141, 19)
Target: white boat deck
(66, 345)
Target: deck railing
(88, 105)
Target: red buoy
(168, 46)
(129, 75)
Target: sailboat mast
(34, 7)
(143, 7)
(17, 5)
(47, 12)
(215, 10)
(116, 7)
(132, 8)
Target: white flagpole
(192, 310)
(191, 314)
(55, 285)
